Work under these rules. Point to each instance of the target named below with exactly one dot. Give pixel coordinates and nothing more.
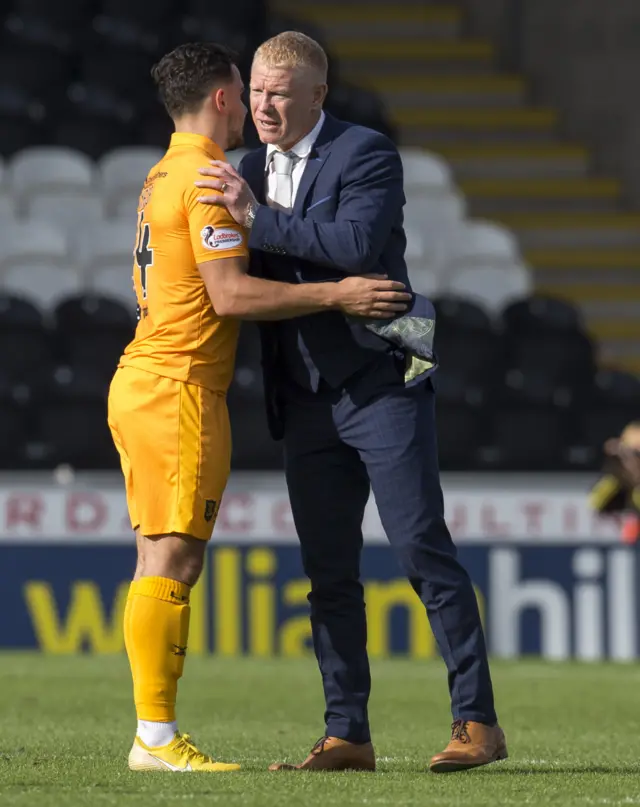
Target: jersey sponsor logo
(220, 238)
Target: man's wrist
(250, 214)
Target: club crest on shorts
(220, 237)
(209, 509)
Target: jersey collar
(197, 140)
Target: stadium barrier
(551, 578)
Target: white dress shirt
(302, 150)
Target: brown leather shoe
(472, 744)
(333, 754)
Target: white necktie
(283, 164)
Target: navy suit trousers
(376, 433)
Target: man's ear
(319, 95)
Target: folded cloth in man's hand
(413, 332)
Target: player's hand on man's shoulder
(372, 296)
(234, 192)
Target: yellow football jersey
(179, 334)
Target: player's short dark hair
(187, 75)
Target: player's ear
(219, 99)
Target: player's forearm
(254, 298)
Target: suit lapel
(317, 157)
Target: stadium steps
(444, 93)
(493, 196)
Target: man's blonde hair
(293, 49)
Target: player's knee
(178, 557)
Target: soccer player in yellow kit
(167, 401)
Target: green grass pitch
(67, 724)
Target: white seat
(124, 170)
(491, 286)
(49, 167)
(235, 156)
(7, 208)
(114, 281)
(108, 243)
(484, 242)
(425, 170)
(424, 280)
(124, 207)
(426, 209)
(33, 242)
(67, 210)
(45, 285)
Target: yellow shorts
(174, 442)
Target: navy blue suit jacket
(347, 219)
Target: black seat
(140, 11)
(360, 106)
(69, 13)
(616, 388)
(72, 420)
(528, 439)
(541, 313)
(35, 69)
(460, 431)
(19, 133)
(14, 410)
(535, 389)
(253, 448)
(93, 136)
(91, 332)
(564, 359)
(467, 344)
(25, 343)
(127, 71)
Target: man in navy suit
(323, 199)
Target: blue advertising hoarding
(67, 557)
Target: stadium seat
(125, 207)
(59, 14)
(535, 389)
(538, 313)
(43, 284)
(114, 281)
(425, 171)
(235, 156)
(8, 211)
(33, 243)
(616, 388)
(247, 381)
(127, 71)
(36, 69)
(139, 10)
(19, 133)
(92, 136)
(527, 439)
(435, 211)
(91, 332)
(460, 430)
(253, 449)
(109, 243)
(49, 167)
(25, 342)
(480, 242)
(492, 286)
(14, 401)
(68, 210)
(72, 420)
(564, 360)
(123, 171)
(467, 344)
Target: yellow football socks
(156, 627)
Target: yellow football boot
(179, 756)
